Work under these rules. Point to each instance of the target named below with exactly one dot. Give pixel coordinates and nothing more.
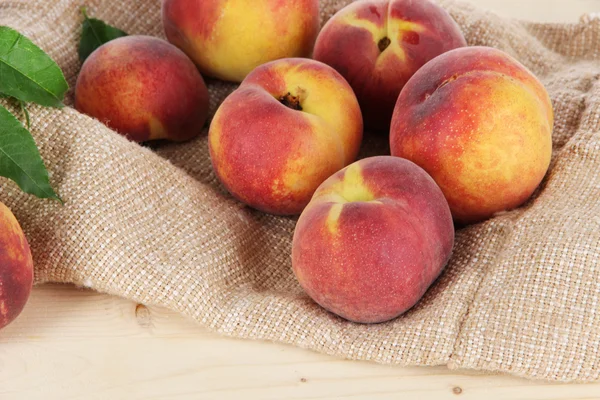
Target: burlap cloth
(521, 293)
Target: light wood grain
(77, 344)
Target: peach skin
(144, 88)
(290, 125)
(229, 38)
(373, 239)
(481, 125)
(377, 45)
(16, 268)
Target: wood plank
(77, 344)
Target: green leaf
(95, 34)
(27, 73)
(20, 159)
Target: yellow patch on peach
(240, 56)
(302, 173)
(13, 254)
(157, 129)
(294, 177)
(392, 28)
(333, 218)
(350, 188)
(315, 90)
(519, 154)
(395, 30)
(351, 19)
(215, 145)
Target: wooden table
(76, 344)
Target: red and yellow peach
(481, 125)
(289, 126)
(16, 267)
(229, 38)
(377, 45)
(373, 238)
(143, 88)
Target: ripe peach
(16, 268)
(290, 125)
(372, 240)
(481, 125)
(229, 38)
(377, 45)
(143, 88)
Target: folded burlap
(521, 293)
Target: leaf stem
(25, 112)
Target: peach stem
(290, 101)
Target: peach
(143, 88)
(289, 126)
(377, 45)
(16, 267)
(373, 239)
(481, 125)
(229, 38)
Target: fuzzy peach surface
(16, 267)
(481, 125)
(227, 39)
(377, 45)
(144, 88)
(273, 157)
(372, 240)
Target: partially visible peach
(290, 125)
(481, 125)
(229, 38)
(377, 45)
(16, 268)
(373, 238)
(143, 88)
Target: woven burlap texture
(521, 293)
